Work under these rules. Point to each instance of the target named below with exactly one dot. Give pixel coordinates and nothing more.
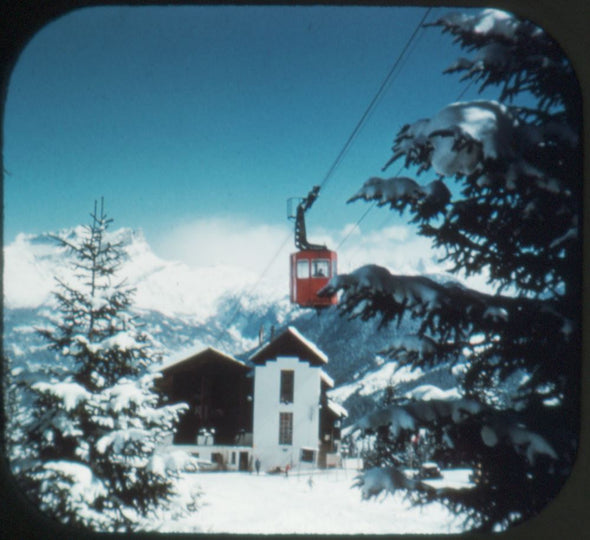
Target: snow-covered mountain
(187, 309)
(169, 287)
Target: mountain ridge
(185, 309)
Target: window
(307, 455)
(320, 268)
(287, 384)
(285, 428)
(302, 268)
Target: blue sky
(197, 123)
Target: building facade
(273, 407)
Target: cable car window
(320, 268)
(334, 267)
(302, 268)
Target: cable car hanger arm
(300, 233)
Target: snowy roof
(290, 342)
(337, 409)
(208, 353)
(326, 378)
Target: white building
(290, 423)
(274, 407)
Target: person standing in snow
(257, 465)
(287, 471)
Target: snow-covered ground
(246, 503)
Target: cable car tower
(314, 264)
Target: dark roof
(206, 356)
(290, 343)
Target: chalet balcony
(212, 437)
(217, 453)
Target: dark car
(430, 470)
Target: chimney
(261, 335)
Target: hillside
(187, 309)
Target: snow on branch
(69, 393)
(409, 348)
(84, 486)
(488, 23)
(504, 43)
(516, 204)
(458, 138)
(526, 442)
(427, 201)
(497, 426)
(128, 394)
(372, 290)
(389, 479)
(415, 414)
(166, 462)
(463, 139)
(118, 439)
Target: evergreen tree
(97, 425)
(514, 216)
(385, 449)
(16, 418)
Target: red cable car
(313, 265)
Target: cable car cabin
(313, 265)
(310, 271)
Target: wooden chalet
(273, 408)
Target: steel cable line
(464, 91)
(372, 206)
(404, 60)
(373, 102)
(365, 214)
(401, 60)
(352, 137)
(366, 114)
(355, 226)
(234, 308)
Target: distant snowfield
(388, 374)
(268, 504)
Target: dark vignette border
(568, 21)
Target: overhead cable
(374, 101)
(385, 83)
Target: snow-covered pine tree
(16, 417)
(96, 430)
(383, 449)
(514, 216)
